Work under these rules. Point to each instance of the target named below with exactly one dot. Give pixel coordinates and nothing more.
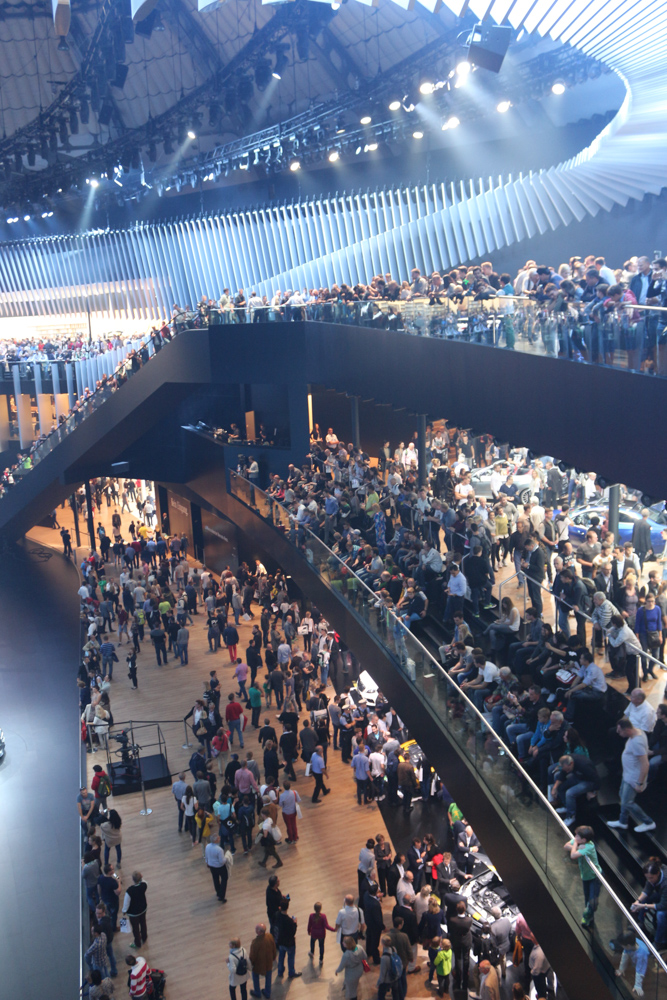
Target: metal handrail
(473, 710)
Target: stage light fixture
(340, 126)
(282, 60)
(417, 135)
(73, 121)
(365, 120)
(295, 165)
(62, 47)
(357, 151)
(372, 146)
(191, 134)
(263, 74)
(463, 68)
(426, 87)
(334, 155)
(84, 111)
(152, 152)
(26, 218)
(558, 88)
(168, 145)
(503, 107)
(453, 122)
(394, 106)
(32, 155)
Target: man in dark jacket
(407, 782)
(574, 776)
(641, 538)
(477, 572)
(534, 567)
(286, 935)
(374, 921)
(459, 928)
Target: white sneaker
(561, 810)
(570, 820)
(617, 825)
(645, 827)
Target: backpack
(396, 967)
(104, 787)
(587, 602)
(241, 965)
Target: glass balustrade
(537, 825)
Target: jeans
(107, 851)
(112, 960)
(160, 650)
(235, 727)
(569, 795)
(476, 593)
(242, 692)
(181, 814)
(107, 666)
(454, 603)
(591, 888)
(267, 984)
(244, 991)
(629, 807)
(138, 925)
(246, 837)
(393, 988)
(182, 650)
(290, 952)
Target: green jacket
(443, 962)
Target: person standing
(263, 954)
(286, 932)
(319, 769)
(460, 934)
(138, 979)
(582, 849)
(135, 906)
(374, 923)
(391, 968)
(217, 865)
(352, 966)
(105, 924)
(255, 699)
(233, 713)
(178, 790)
(289, 801)
(634, 761)
(230, 637)
(239, 970)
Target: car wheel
(524, 495)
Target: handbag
(124, 926)
(299, 814)
(201, 729)
(365, 965)
(517, 954)
(308, 769)
(654, 639)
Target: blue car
(627, 518)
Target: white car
(480, 479)
(365, 689)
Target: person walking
(135, 907)
(239, 969)
(263, 954)
(634, 761)
(318, 769)
(289, 803)
(391, 969)
(286, 931)
(352, 966)
(216, 859)
(233, 714)
(178, 791)
(318, 925)
(230, 637)
(269, 836)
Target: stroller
(159, 979)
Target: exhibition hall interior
(333, 511)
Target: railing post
(186, 745)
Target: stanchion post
(186, 745)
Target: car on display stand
(365, 689)
(627, 518)
(484, 891)
(480, 479)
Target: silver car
(480, 479)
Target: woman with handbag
(269, 835)
(188, 805)
(353, 964)
(112, 836)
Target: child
(443, 966)
(318, 925)
(635, 951)
(582, 848)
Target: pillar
(421, 448)
(614, 497)
(75, 515)
(354, 418)
(91, 522)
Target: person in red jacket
(233, 716)
(318, 925)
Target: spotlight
(357, 151)
(84, 111)
(366, 120)
(334, 155)
(168, 145)
(245, 162)
(45, 215)
(94, 183)
(62, 47)
(282, 60)
(372, 146)
(453, 122)
(426, 87)
(340, 126)
(417, 135)
(295, 165)
(263, 74)
(26, 218)
(152, 152)
(558, 88)
(503, 107)
(394, 106)
(191, 134)
(463, 68)
(31, 156)
(73, 121)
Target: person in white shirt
(405, 887)
(495, 482)
(635, 776)
(378, 764)
(640, 713)
(410, 458)
(350, 919)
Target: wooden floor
(188, 930)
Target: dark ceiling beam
(77, 37)
(350, 65)
(179, 14)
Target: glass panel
(539, 828)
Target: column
(614, 497)
(354, 417)
(75, 515)
(91, 523)
(23, 411)
(69, 375)
(421, 448)
(43, 401)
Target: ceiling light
(94, 183)
(452, 122)
(503, 107)
(191, 134)
(334, 155)
(417, 135)
(26, 218)
(558, 88)
(426, 87)
(366, 120)
(372, 146)
(463, 68)
(394, 106)
(45, 215)
(357, 151)
(295, 165)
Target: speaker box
(488, 46)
